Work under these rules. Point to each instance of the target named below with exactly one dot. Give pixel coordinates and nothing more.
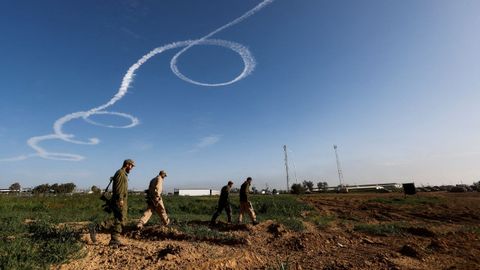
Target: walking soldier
(223, 203)
(154, 201)
(245, 204)
(118, 204)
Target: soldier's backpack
(107, 198)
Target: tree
(55, 188)
(308, 185)
(96, 190)
(298, 189)
(15, 187)
(477, 185)
(62, 188)
(43, 188)
(66, 188)
(254, 190)
(322, 186)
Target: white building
(195, 192)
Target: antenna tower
(339, 168)
(286, 166)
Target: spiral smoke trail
(59, 134)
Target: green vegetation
(322, 222)
(55, 188)
(298, 189)
(32, 237)
(36, 245)
(206, 234)
(380, 229)
(472, 229)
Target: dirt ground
(443, 234)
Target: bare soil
(442, 233)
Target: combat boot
(212, 224)
(93, 229)
(115, 241)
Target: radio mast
(286, 166)
(339, 168)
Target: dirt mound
(411, 250)
(276, 229)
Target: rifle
(107, 206)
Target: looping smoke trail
(59, 134)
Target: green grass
(322, 222)
(37, 245)
(292, 223)
(472, 229)
(380, 229)
(206, 234)
(58, 209)
(30, 237)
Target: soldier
(223, 203)
(154, 201)
(245, 204)
(119, 205)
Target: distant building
(195, 192)
(377, 187)
(22, 190)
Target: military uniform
(245, 205)
(119, 193)
(155, 202)
(223, 203)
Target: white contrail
(59, 134)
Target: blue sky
(393, 83)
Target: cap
(249, 178)
(230, 183)
(163, 172)
(128, 161)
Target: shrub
(294, 224)
(379, 229)
(298, 189)
(322, 222)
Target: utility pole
(339, 168)
(286, 166)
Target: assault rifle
(107, 198)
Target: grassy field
(33, 234)
(442, 228)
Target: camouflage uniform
(223, 203)
(119, 193)
(245, 205)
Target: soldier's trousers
(157, 207)
(219, 210)
(115, 224)
(246, 207)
